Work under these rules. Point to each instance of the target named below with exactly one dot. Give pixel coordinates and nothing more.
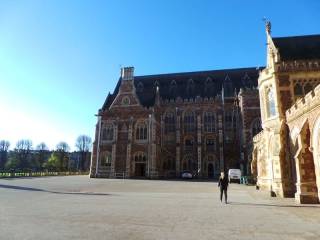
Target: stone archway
(316, 151)
(211, 166)
(307, 191)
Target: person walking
(223, 184)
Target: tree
(42, 154)
(4, 147)
(63, 155)
(83, 144)
(53, 162)
(22, 154)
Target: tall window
(189, 122)
(271, 103)
(228, 118)
(298, 91)
(141, 131)
(108, 133)
(209, 122)
(169, 122)
(210, 144)
(105, 159)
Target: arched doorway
(212, 166)
(316, 152)
(140, 162)
(307, 191)
(210, 170)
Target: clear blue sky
(59, 59)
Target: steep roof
(298, 47)
(190, 84)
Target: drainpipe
(98, 147)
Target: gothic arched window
(271, 103)
(169, 123)
(189, 121)
(298, 91)
(209, 122)
(141, 131)
(140, 87)
(105, 159)
(108, 132)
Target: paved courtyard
(77, 207)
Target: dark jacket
(223, 182)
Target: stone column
(153, 146)
(98, 147)
(220, 131)
(178, 146)
(199, 171)
(113, 160)
(128, 160)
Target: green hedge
(39, 174)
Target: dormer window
(173, 88)
(140, 87)
(209, 87)
(228, 87)
(190, 87)
(246, 81)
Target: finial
(268, 25)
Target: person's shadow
(48, 191)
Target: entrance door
(210, 170)
(140, 170)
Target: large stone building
(159, 125)
(286, 154)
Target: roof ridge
(299, 36)
(199, 72)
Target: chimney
(127, 73)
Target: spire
(268, 26)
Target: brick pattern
(162, 149)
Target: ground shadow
(273, 205)
(48, 191)
(172, 179)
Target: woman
(223, 184)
